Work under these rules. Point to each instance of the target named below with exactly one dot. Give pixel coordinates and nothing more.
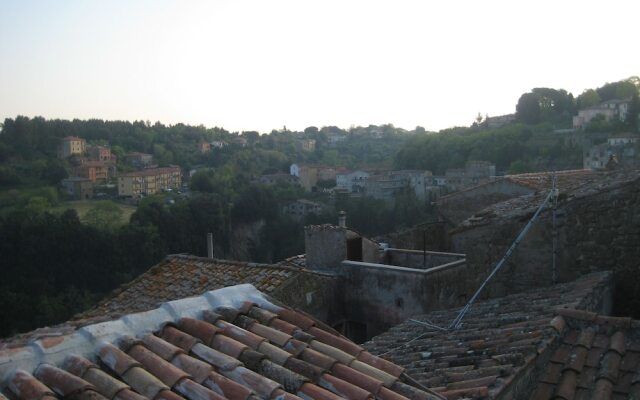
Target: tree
(202, 181)
(104, 215)
(588, 98)
(528, 108)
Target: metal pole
(210, 245)
(458, 320)
(554, 273)
(424, 249)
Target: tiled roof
(498, 342)
(568, 180)
(597, 358)
(152, 171)
(570, 188)
(230, 343)
(179, 276)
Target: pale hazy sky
(262, 64)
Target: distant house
(474, 173)
(622, 139)
(500, 120)
(309, 175)
(149, 181)
(239, 141)
(99, 153)
(308, 144)
(282, 178)
(609, 110)
(335, 138)
(139, 160)
(351, 181)
(96, 171)
(618, 152)
(204, 147)
(78, 188)
(300, 208)
(71, 145)
(220, 144)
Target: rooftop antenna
(457, 322)
(555, 192)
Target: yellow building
(72, 145)
(149, 181)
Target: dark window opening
(355, 331)
(354, 249)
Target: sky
(261, 65)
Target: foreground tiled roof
(230, 343)
(499, 340)
(180, 276)
(598, 357)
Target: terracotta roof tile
(180, 276)
(157, 355)
(498, 339)
(597, 362)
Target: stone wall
(325, 246)
(461, 205)
(435, 235)
(381, 296)
(598, 229)
(317, 294)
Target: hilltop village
(495, 261)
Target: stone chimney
(325, 247)
(342, 219)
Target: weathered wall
(435, 236)
(383, 296)
(317, 294)
(371, 251)
(325, 246)
(461, 205)
(597, 230)
(419, 259)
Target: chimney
(210, 245)
(342, 219)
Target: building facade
(71, 145)
(78, 188)
(609, 110)
(300, 208)
(139, 160)
(149, 181)
(352, 181)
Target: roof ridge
(51, 348)
(232, 262)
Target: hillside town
(221, 200)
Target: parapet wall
(419, 259)
(381, 296)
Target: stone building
(78, 188)
(149, 181)
(71, 146)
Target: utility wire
(457, 322)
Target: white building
(352, 181)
